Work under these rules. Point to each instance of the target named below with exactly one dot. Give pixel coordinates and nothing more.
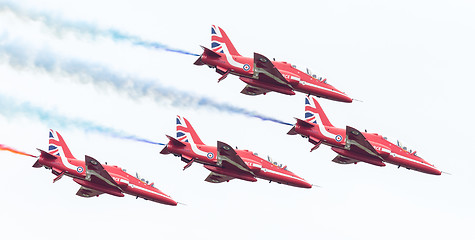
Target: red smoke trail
(7, 148)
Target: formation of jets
(223, 161)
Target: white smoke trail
(21, 57)
(12, 108)
(59, 24)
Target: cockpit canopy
(269, 159)
(403, 146)
(144, 180)
(314, 76)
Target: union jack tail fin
(185, 132)
(314, 112)
(57, 145)
(221, 43)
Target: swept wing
(217, 178)
(355, 141)
(265, 71)
(229, 159)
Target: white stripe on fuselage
(322, 128)
(194, 147)
(230, 58)
(320, 87)
(122, 180)
(395, 155)
(281, 174)
(228, 55)
(149, 191)
(65, 161)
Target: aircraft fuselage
(129, 184)
(207, 155)
(298, 80)
(389, 152)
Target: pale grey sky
(411, 62)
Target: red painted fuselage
(95, 178)
(261, 168)
(76, 169)
(354, 146)
(261, 74)
(391, 153)
(299, 81)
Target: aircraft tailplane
(207, 53)
(300, 123)
(174, 142)
(292, 131)
(45, 155)
(165, 150)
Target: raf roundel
(246, 67)
(80, 169)
(338, 138)
(210, 155)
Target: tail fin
(314, 112)
(221, 43)
(57, 145)
(185, 132)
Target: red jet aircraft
(261, 74)
(224, 162)
(354, 146)
(94, 178)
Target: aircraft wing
(266, 71)
(343, 160)
(228, 158)
(217, 178)
(96, 173)
(88, 192)
(355, 141)
(251, 90)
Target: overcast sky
(410, 62)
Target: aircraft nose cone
(302, 184)
(348, 99)
(169, 201)
(341, 96)
(432, 170)
(345, 98)
(436, 172)
(306, 185)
